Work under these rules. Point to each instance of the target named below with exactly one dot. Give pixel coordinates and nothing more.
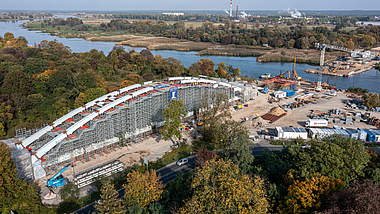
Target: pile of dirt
(356, 65)
(131, 159)
(277, 111)
(259, 123)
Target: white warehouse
(291, 132)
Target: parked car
(305, 146)
(183, 161)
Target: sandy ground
(296, 117)
(152, 148)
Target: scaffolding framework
(138, 117)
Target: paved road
(167, 173)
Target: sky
(121, 5)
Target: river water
(248, 65)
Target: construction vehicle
(294, 73)
(336, 68)
(200, 123)
(322, 48)
(57, 180)
(283, 75)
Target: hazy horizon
(118, 5)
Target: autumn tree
(126, 83)
(172, 117)
(110, 202)
(204, 155)
(133, 78)
(142, 189)
(219, 187)
(359, 197)
(309, 195)
(202, 67)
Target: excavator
(336, 68)
(283, 75)
(293, 75)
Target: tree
(172, 117)
(219, 187)
(359, 197)
(309, 195)
(61, 78)
(109, 203)
(69, 192)
(93, 93)
(17, 82)
(334, 157)
(86, 79)
(16, 194)
(204, 155)
(142, 189)
(133, 78)
(242, 154)
(371, 99)
(126, 83)
(80, 100)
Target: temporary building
(279, 94)
(354, 134)
(291, 132)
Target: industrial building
(290, 132)
(128, 115)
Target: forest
(300, 36)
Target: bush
(283, 53)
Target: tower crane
(322, 48)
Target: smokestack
(237, 11)
(231, 9)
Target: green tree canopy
(172, 116)
(219, 187)
(109, 203)
(17, 82)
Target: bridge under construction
(126, 116)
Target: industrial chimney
(237, 11)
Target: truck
(316, 123)
(57, 180)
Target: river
(248, 65)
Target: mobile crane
(322, 48)
(57, 180)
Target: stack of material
(274, 114)
(259, 123)
(23, 164)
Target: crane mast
(322, 48)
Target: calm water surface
(248, 65)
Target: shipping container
(316, 123)
(289, 93)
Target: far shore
(262, 54)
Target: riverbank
(263, 54)
(356, 69)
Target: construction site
(121, 118)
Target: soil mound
(277, 111)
